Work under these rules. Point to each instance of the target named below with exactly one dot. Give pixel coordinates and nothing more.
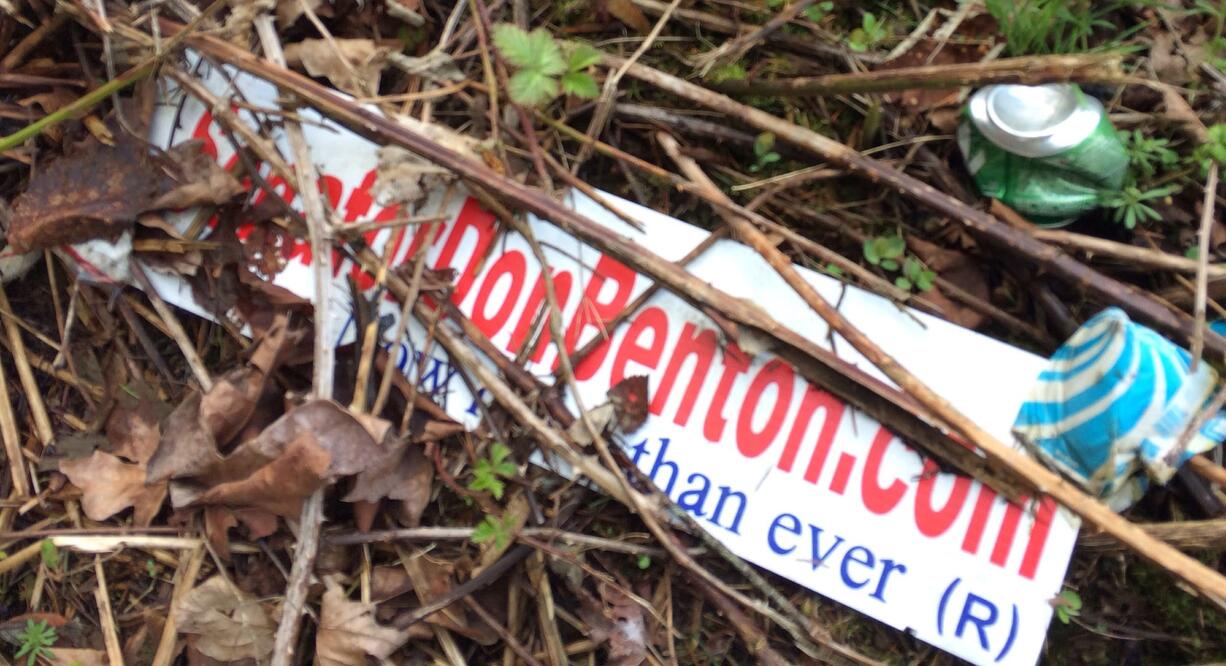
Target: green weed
(872, 31)
(763, 155)
(486, 472)
(542, 70)
(1032, 27)
(1130, 206)
(1148, 155)
(36, 641)
(495, 529)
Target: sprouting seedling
(872, 31)
(762, 152)
(915, 275)
(486, 471)
(884, 251)
(1130, 203)
(49, 554)
(495, 529)
(539, 61)
(36, 641)
(1213, 149)
(818, 11)
(1067, 605)
(1147, 155)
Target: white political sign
(784, 473)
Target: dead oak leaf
(348, 632)
(353, 65)
(280, 486)
(229, 624)
(111, 485)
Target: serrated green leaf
(532, 88)
(580, 84)
(534, 51)
(582, 56)
(499, 452)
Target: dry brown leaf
(352, 65)
(629, 13)
(351, 441)
(280, 486)
(201, 180)
(110, 485)
(229, 623)
(76, 657)
(348, 632)
(627, 640)
(93, 192)
(134, 432)
(289, 11)
(186, 448)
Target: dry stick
(185, 578)
(322, 373)
(12, 440)
(1203, 579)
(735, 49)
(1184, 535)
(506, 636)
(42, 423)
(1208, 470)
(1138, 256)
(753, 637)
(727, 26)
(1007, 238)
(176, 329)
(1030, 70)
(608, 94)
(106, 617)
(821, 367)
(1202, 263)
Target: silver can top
(1035, 121)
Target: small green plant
(889, 252)
(817, 12)
(914, 275)
(1067, 605)
(1129, 203)
(872, 31)
(487, 471)
(1148, 155)
(1213, 149)
(539, 62)
(762, 152)
(643, 562)
(36, 641)
(885, 251)
(50, 554)
(494, 529)
(1033, 27)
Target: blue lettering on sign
(981, 613)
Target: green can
(1047, 151)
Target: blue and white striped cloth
(1114, 401)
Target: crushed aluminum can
(1115, 401)
(1047, 151)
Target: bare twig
(1030, 70)
(1202, 264)
(735, 49)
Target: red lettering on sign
(877, 498)
(597, 314)
(534, 313)
(699, 344)
(930, 520)
(979, 520)
(751, 443)
(1008, 528)
(472, 217)
(653, 321)
(513, 265)
(1043, 516)
(735, 363)
(832, 414)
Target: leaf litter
(239, 461)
